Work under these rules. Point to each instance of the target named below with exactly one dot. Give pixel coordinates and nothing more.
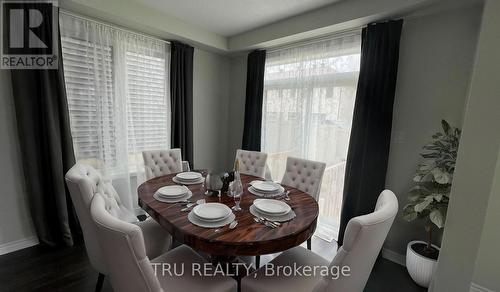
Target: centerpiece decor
(428, 200)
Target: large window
(90, 98)
(149, 119)
(106, 84)
(309, 93)
(118, 97)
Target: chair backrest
(162, 162)
(123, 248)
(305, 175)
(363, 241)
(84, 182)
(252, 162)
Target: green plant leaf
(437, 135)
(446, 127)
(424, 204)
(437, 218)
(438, 197)
(440, 176)
(414, 197)
(430, 155)
(419, 189)
(432, 147)
(410, 216)
(408, 208)
(426, 165)
(429, 196)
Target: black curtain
(181, 91)
(371, 127)
(253, 104)
(46, 148)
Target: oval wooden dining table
(248, 238)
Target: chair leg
(100, 281)
(257, 262)
(309, 243)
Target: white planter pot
(420, 268)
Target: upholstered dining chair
(305, 175)
(84, 182)
(363, 241)
(130, 268)
(253, 163)
(162, 162)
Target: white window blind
(118, 98)
(88, 71)
(148, 119)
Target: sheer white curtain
(309, 93)
(118, 98)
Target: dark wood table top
(248, 238)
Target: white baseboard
(19, 244)
(477, 288)
(394, 257)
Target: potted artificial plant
(428, 200)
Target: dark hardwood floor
(68, 269)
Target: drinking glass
(236, 192)
(217, 185)
(206, 184)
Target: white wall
(487, 266)
(237, 91)
(211, 82)
(14, 213)
(470, 242)
(435, 62)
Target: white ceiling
(231, 17)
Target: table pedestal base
(232, 266)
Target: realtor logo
(30, 31)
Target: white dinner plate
(174, 191)
(272, 207)
(266, 187)
(254, 191)
(281, 218)
(188, 176)
(158, 197)
(181, 182)
(211, 211)
(212, 220)
(206, 224)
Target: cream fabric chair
(305, 175)
(363, 241)
(130, 268)
(252, 163)
(84, 182)
(162, 162)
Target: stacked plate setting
(172, 194)
(274, 210)
(211, 215)
(188, 178)
(267, 189)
